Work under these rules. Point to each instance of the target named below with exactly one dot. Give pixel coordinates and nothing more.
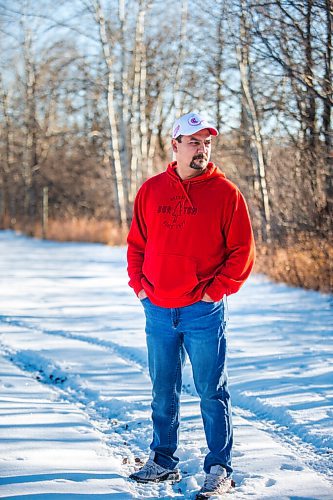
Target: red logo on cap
(194, 121)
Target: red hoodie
(188, 238)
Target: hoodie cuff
(136, 285)
(215, 292)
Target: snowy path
(75, 395)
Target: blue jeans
(199, 330)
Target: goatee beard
(199, 165)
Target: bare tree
(7, 140)
(138, 86)
(113, 154)
(290, 36)
(30, 158)
(328, 105)
(250, 122)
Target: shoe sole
(173, 477)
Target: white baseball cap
(190, 124)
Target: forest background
(89, 90)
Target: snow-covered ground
(75, 394)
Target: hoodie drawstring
(186, 192)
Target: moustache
(200, 156)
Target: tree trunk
(5, 167)
(124, 103)
(154, 134)
(311, 133)
(45, 212)
(30, 159)
(139, 126)
(327, 109)
(219, 67)
(135, 115)
(142, 112)
(257, 149)
(121, 204)
(176, 102)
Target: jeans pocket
(210, 302)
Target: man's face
(194, 150)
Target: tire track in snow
(129, 438)
(118, 436)
(321, 463)
(123, 424)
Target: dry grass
(86, 230)
(76, 229)
(307, 263)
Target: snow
(75, 391)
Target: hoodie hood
(210, 172)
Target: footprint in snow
(291, 467)
(238, 454)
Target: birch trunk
(138, 104)
(310, 115)
(121, 204)
(6, 165)
(219, 66)
(30, 160)
(177, 101)
(124, 102)
(143, 117)
(154, 134)
(257, 156)
(327, 110)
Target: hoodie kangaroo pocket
(171, 275)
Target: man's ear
(174, 145)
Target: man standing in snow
(190, 245)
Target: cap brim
(213, 131)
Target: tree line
(90, 89)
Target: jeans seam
(173, 402)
